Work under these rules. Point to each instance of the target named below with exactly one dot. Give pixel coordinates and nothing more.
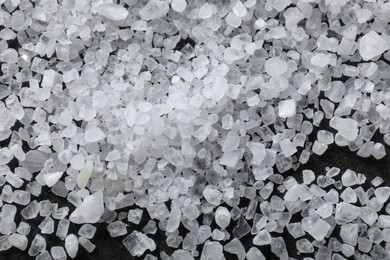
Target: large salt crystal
(154, 9)
(347, 127)
(287, 147)
(275, 66)
(90, 210)
(84, 175)
(372, 45)
(222, 217)
(51, 178)
(231, 141)
(205, 11)
(112, 11)
(258, 152)
(262, 238)
(239, 9)
(212, 251)
(18, 241)
(287, 108)
(178, 5)
(319, 230)
(137, 243)
(320, 60)
(71, 245)
(94, 134)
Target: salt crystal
(77, 161)
(231, 141)
(137, 243)
(47, 226)
(174, 219)
(87, 231)
(178, 5)
(372, 45)
(31, 211)
(222, 217)
(86, 244)
(58, 253)
(51, 178)
(94, 134)
(320, 60)
(90, 210)
(258, 152)
(262, 238)
(212, 195)
(117, 228)
(347, 127)
(205, 11)
(278, 247)
(287, 147)
(18, 241)
(349, 178)
(154, 9)
(235, 247)
(287, 108)
(212, 250)
(304, 246)
(239, 9)
(233, 20)
(38, 245)
(135, 216)
(112, 11)
(71, 245)
(275, 67)
(62, 228)
(254, 254)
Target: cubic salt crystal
(275, 67)
(287, 108)
(84, 175)
(137, 243)
(94, 134)
(205, 11)
(71, 245)
(319, 230)
(112, 11)
(90, 210)
(258, 152)
(372, 45)
(154, 9)
(239, 9)
(222, 217)
(347, 128)
(178, 5)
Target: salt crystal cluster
(194, 117)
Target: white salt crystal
(18, 241)
(308, 176)
(154, 9)
(71, 245)
(84, 175)
(347, 128)
(262, 238)
(233, 20)
(90, 210)
(372, 45)
(94, 134)
(212, 250)
(185, 74)
(239, 9)
(319, 230)
(287, 108)
(77, 161)
(231, 141)
(173, 156)
(254, 254)
(222, 217)
(38, 245)
(51, 178)
(137, 243)
(212, 195)
(86, 244)
(230, 158)
(112, 11)
(174, 219)
(205, 11)
(275, 66)
(58, 253)
(258, 152)
(378, 152)
(287, 147)
(320, 60)
(178, 5)
(99, 99)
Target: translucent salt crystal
(178, 5)
(37, 246)
(77, 161)
(262, 238)
(233, 20)
(135, 216)
(319, 230)
(222, 217)
(87, 231)
(173, 156)
(287, 147)
(137, 243)
(51, 178)
(346, 212)
(185, 74)
(319, 148)
(231, 141)
(325, 137)
(308, 176)
(346, 127)
(275, 66)
(154, 9)
(276, 33)
(258, 152)
(34, 160)
(205, 11)
(349, 195)
(31, 211)
(287, 108)
(18, 241)
(212, 250)
(349, 178)
(235, 247)
(174, 219)
(71, 245)
(378, 151)
(58, 253)
(99, 99)
(254, 254)
(382, 194)
(9, 56)
(372, 45)
(241, 229)
(117, 228)
(62, 228)
(88, 245)
(349, 233)
(90, 210)
(112, 11)
(278, 247)
(320, 60)
(47, 226)
(239, 9)
(94, 134)
(232, 54)
(84, 175)
(304, 246)
(212, 195)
